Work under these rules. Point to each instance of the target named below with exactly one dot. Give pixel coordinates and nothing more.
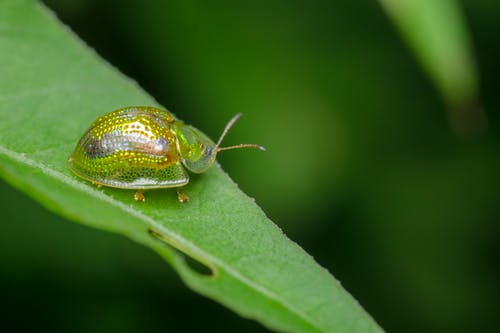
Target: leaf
(51, 88)
(437, 33)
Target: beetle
(142, 148)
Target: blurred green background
(362, 168)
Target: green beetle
(143, 147)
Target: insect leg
(139, 196)
(181, 196)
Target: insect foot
(139, 196)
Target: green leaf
(438, 35)
(51, 88)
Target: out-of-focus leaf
(437, 33)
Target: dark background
(362, 168)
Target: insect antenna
(242, 145)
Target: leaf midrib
(176, 240)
